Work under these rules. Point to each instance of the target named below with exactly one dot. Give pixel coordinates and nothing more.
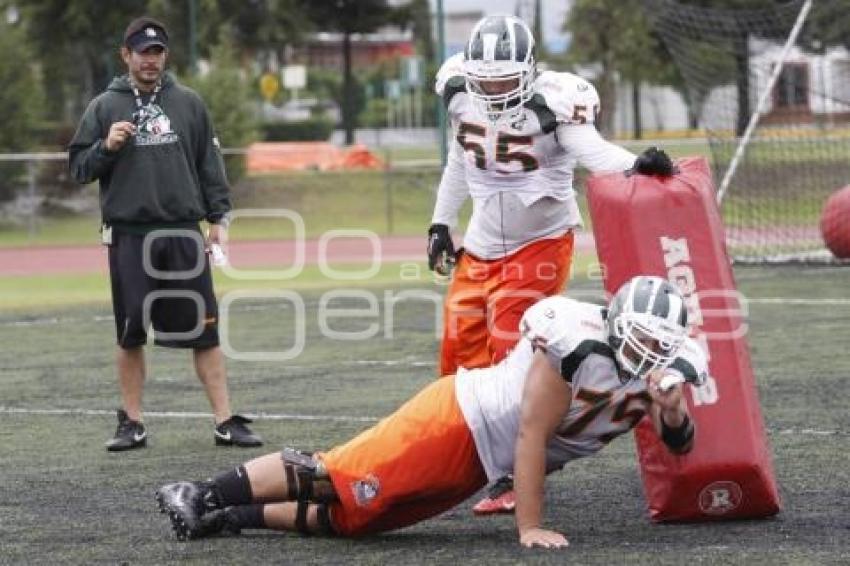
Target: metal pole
(193, 40)
(31, 173)
(388, 191)
(441, 56)
(762, 103)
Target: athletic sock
(247, 516)
(233, 487)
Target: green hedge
(314, 129)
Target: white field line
(296, 417)
(184, 415)
(803, 302)
(50, 320)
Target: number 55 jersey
(519, 171)
(604, 404)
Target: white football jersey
(519, 172)
(603, 406)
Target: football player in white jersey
(580, 376)
(518, 136)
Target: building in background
(324, 50)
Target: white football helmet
(647, 323)
(499, 66)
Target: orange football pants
(414, 464)
(487, 299)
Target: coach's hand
(542, 537)
(119, 133)
(217, 235)
(653, 161)
(441, 249)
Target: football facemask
(647, 323)
(499, 66)
(647, 343)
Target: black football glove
(441, 249)
(653, 161)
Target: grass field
(65, 500)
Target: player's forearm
(592, 150)
(90, 163)
(675, 427)
(452, 191)
(674, 417)
(529, 477)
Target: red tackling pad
(672, 228)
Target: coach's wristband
(222, 220)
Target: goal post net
(772, 94)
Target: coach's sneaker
(500, 499)
(186, 503)
(129, 434)
(235, 432)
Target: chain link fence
(36, 190)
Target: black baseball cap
(145, 32)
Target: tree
(738, 38)
(229, 99)
(78, 42)
(827, 26)
(20, 102)
(616, 35)
(418, 14)
(265, 25)
(349, 17)
(81, 39)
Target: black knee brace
(307, 484)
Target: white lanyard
(138, 95)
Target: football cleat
(186, 504)
(235, 432)
(129, 434)
(219, 521)
(213, 523)
(499, 500)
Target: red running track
(272, 254)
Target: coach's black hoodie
(169, 173)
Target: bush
(228, 95)
(20, 104)
(375, 114)
(314, 129)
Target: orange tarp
(267, 157)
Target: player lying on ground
(580, 376)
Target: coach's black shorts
(173, 292)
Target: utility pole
(441, 56)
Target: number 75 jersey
(523, 155)
(604, 404)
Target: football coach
(149, 142)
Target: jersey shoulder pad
(560, 325)
(691, 362)
(450, 78)
(572, 99)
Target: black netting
(800, 151)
